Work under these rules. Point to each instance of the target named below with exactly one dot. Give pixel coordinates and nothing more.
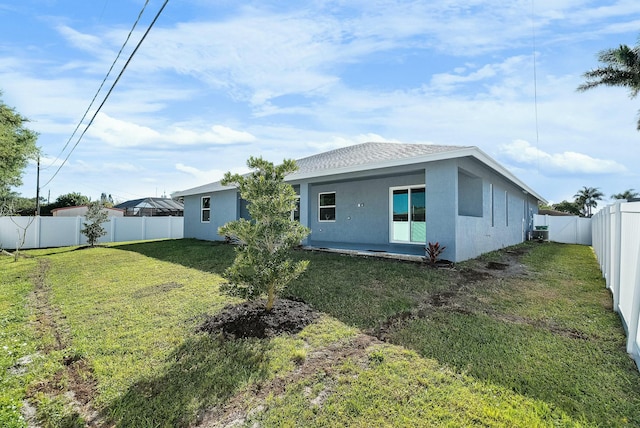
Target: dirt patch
(497, 266)
(153, 290)
(251, 319)
(75, 382)
(549, 326)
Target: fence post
(37, 232)
(617, 249)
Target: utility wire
(101, 84)
(144, 36)
(535, 82)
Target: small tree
(626, 195)
(262, 264)
(95, 216)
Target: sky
(217, 81)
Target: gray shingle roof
(368, 153)
(366, 156)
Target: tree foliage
(626, 195)
(567, 207)
(73, 199)
(95, 216)
(587, 199)
(263, 264)
(17, 146)
(621, 67)
(14, 204)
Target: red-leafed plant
(434, 251)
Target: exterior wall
(506, 215)
(224, 208)
(82, 211)
(362, 214)
(469, 214)
(441, 185)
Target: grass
(120, 321)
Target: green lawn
(117, 326)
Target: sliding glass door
(408, 214)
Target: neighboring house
(81, 211)
(386, 197)
(152, 207)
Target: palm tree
(587, 198)
(626, 195)
(621, 67)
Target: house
(81, 211)
(394, 198)
(152, 207)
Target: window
(469, 194)
(205, 208)
(506, 208)
(295, 214)
(327, 206)
(408, 214)
(491, 195)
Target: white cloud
(121, 133)
(125, 166)
(207, 176)
(567, 162)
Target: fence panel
(45, 232)
(566, 229)
(616, 236)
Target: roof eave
(471, 151)
(452, 154)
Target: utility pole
(38, 189)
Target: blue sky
(217, 81)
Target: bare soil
(251, 319)
(75, 381)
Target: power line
(101, 84)
(144, 36)
(535, 82)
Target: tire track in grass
(325, 361)
(73, 385)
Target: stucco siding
(224, 208)
(504, 220)
(362, 211)
(441, 182)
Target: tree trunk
(271, 297)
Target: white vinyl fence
(45, 232)
(616, 242)
(566, 229)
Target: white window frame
(203, 209)
(320, 207)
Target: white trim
(408, 187)
(335, 211)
